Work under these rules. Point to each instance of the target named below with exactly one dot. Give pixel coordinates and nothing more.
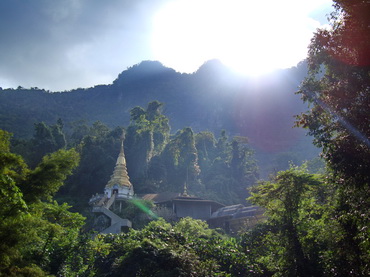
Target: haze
(61, 45)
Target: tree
(187, 248)
(228, 168)
(80, 129)
(53, 232)
(46, 139)
(13, 206)
(338, 90)
(98, 148)
(205, 143)
(32, 227)
(296, 215)
(146, 138)
(243, 166)
(157, 250)
(181, 158)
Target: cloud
(66, 44)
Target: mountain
(213, 98)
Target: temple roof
(237, 211)
(170, 197)
(120, 175)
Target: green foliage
(303, 235)
(4, 141)
(230, 169)
(298, 207)
(180, 155)
(11, 198)
(46, 139)
(138, 211)
(98, 148)
(205, 143)
(338, 90)
(188, 248)
(54, 231)
(79, 129)
(146, 138)
(36, 237)
(45, 180)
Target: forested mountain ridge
(213, 98)
(187, 96)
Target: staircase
(116, 222)
(110, 201)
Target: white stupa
(119, 184)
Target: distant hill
(213, 98)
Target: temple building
(107, 207)
(117, 190)
(184, 205)
(119, 185)
(236, 218)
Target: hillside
(213, 98)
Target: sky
(65, 44)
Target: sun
(251, 37)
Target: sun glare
(251, 37)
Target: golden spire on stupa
(120, 175)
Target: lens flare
(348, 126)
(138, 203)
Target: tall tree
(146, 137)
(205, 143)
(229, 169)
(98, 148)
(33, 228)
(46, 139)
(181, 158)
(243, 166)
(338, 89)
(297, 219)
